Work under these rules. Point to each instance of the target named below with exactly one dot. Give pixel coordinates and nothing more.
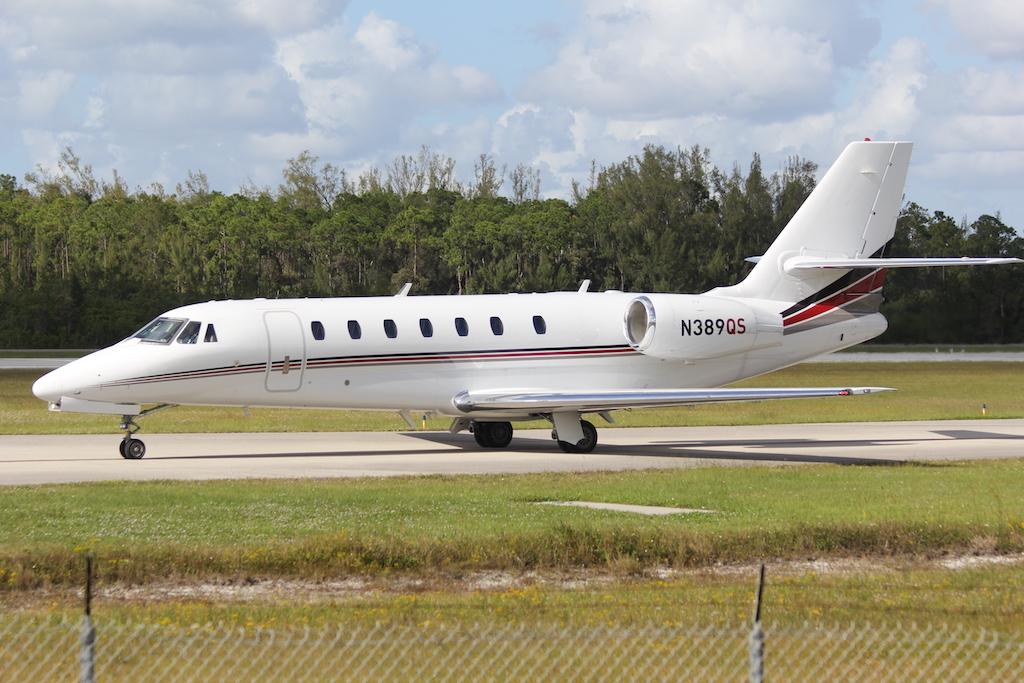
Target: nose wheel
(132, 449)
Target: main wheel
(492, 434)
(133, 449)
(588, 443)
(120, 448)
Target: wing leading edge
(616, 399)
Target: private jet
(487, 361)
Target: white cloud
(670, 58)
(887, 101)
(995, 27)
(94, 110)
(996, 91)
(387, 44)
(38, 94)
(235, 87)
(282, 17)
(363, 87)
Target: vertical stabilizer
(850, 214)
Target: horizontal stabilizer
(810, 263)
(615, 399)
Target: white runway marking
(54, 459)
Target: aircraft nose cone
(49, 387)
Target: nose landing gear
(130, 447)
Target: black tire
(588, 444)
(133, 449)
(501, 434)
(492, 434)
(120, 448)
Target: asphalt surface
(53, 459)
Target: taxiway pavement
(55, 459)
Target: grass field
(937, 348)
(44, 353)
(692, 627)
(990, 596)
(442, 526)
(925, 391)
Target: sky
(235, 88)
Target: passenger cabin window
(190, 335)
(211, 334)
(496, 327)
(160, 331)
(426, 328)
(462, 327)
(317, 328)
(354, 330)
(390, 329)
(539, 326)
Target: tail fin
(851, 214)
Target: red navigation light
(867, 139)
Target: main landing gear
(130, 447)
(492, 434)
(584, 445)
(499, 435)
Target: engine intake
(692, 327)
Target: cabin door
(286, 351)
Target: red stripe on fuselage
(375, 360)
(867, 284)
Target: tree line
(85, 261)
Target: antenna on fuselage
(584, 286)
(404, 290)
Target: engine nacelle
(693, 327)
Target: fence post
(87, 656)
(756, 641)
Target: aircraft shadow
(695, 450)
(688, 449)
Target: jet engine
(693, 327)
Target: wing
(615, 399)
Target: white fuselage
(266, 353)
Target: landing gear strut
(492, 434)
(130, 447)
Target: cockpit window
(211, 334)
(160, 331)
(190, 335)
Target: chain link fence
(34, 650)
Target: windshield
(160, 331)
(190, 335)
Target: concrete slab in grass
(621, 507)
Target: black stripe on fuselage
(836, 286)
